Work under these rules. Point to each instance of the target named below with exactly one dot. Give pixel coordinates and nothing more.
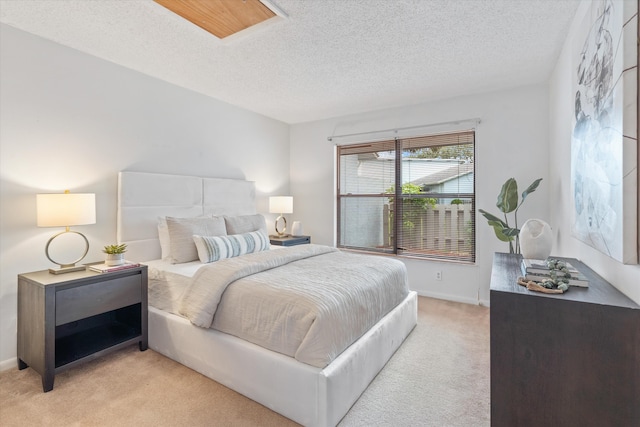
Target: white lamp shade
(281, 204)
(64, 210)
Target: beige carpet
(439, 377)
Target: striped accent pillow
(215, 248)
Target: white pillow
(181, 231)
(245, 224)
(215, 248)
(163, 236)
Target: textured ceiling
(328, 58)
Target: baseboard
(454, 298)
(5, 365)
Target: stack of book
(537, 270)
(104, 268)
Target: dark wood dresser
(562, 360)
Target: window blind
(409, 196)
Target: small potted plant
(115, 254)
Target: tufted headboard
(144, 197)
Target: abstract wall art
(604, 144)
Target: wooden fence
(438, 229)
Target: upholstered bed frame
(308, 395)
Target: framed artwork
(604, 144)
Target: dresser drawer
(88, 300)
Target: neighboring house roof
(445, 175)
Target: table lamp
(281, 205)
(66, 210)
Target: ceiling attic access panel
(222, 18)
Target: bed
(308, 391)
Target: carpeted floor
(439, 377)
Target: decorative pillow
(163, 236)
(215, 248)
(245, 224)
(181, 231)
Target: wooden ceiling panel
(221, 18)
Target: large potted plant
(509, 202)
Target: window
(412, 196)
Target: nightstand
(67, 319)
(290, 240)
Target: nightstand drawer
(85, 301)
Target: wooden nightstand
(290, 240)
(67, 319)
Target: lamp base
(70, 269)
(281, 233)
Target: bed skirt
(308, 395)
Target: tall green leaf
(499, 230)
(508, 197)
(491, 217)
(530, 189)
(511, 232)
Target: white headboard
(143, 197)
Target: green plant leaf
(499, 230)
(512, 232)
(491, 217)
(508, 197)
(530, 189)
(115, 249)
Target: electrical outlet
(438, 275)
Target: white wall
(71, 121)
(561, 107)
(511, 141)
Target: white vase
(296, 229)
(114, 259)
(536, 239)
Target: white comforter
(309, 302)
